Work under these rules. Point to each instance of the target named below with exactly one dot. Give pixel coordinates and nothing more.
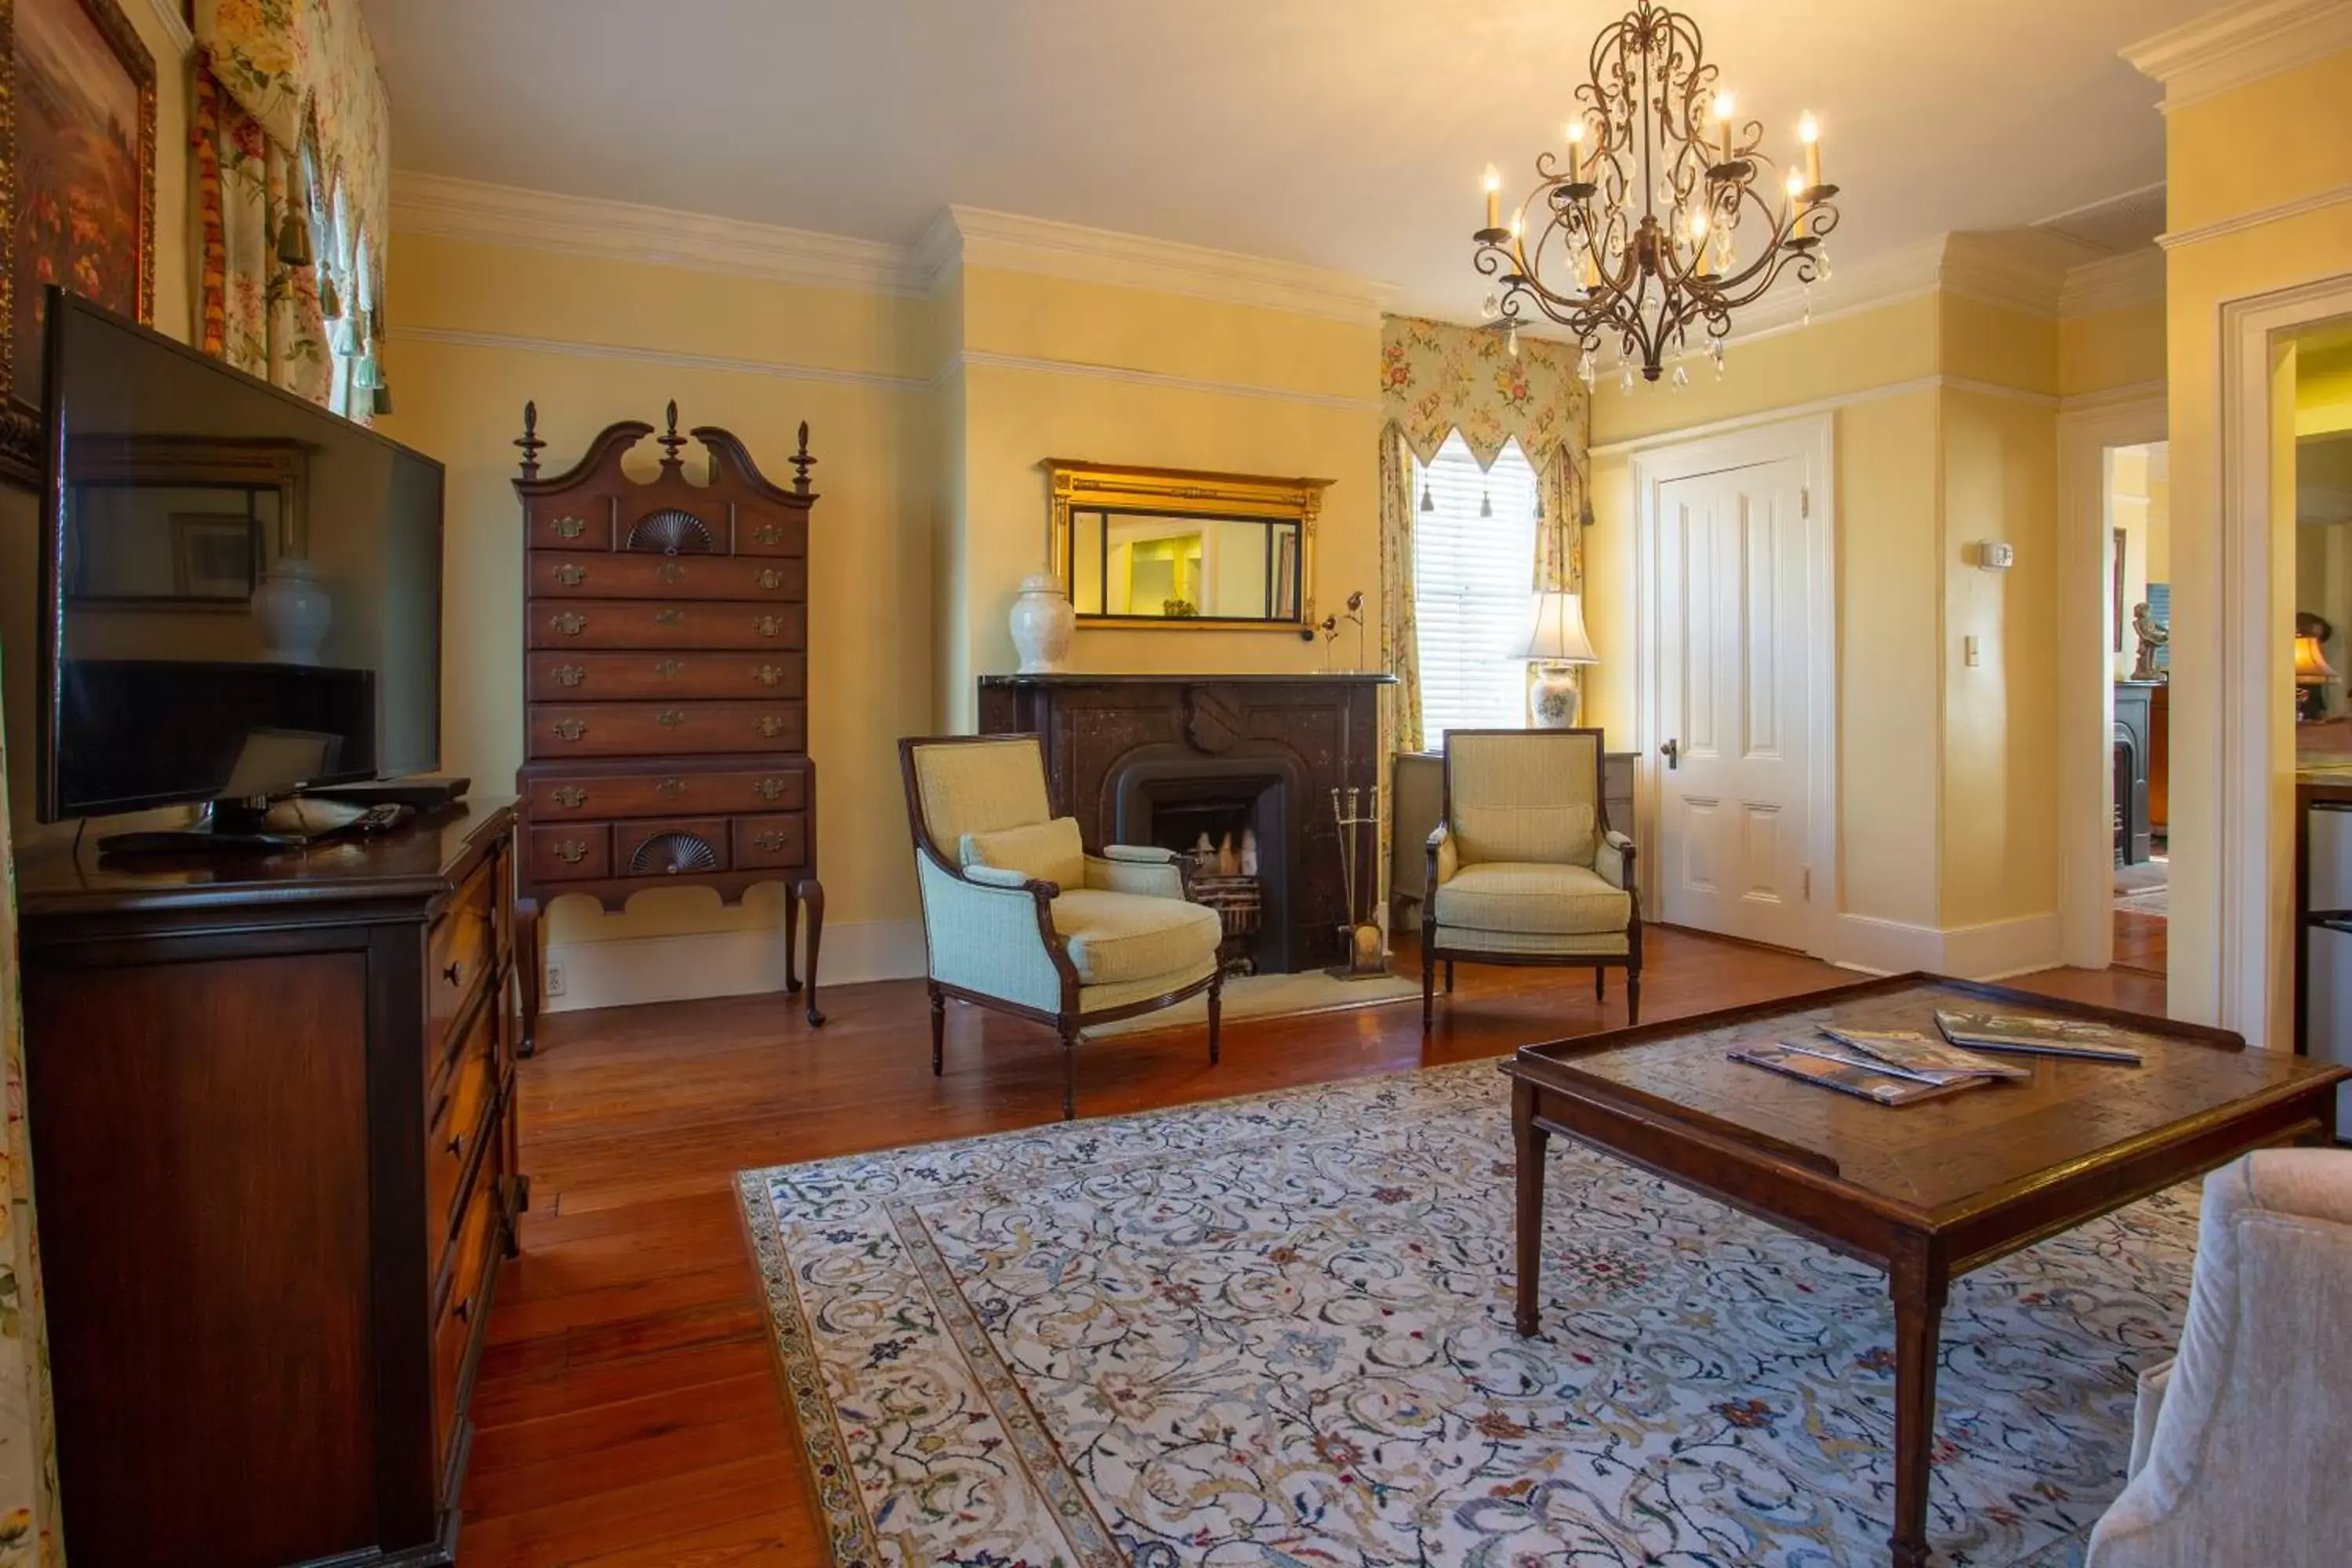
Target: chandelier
(1638, 236)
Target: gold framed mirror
(1184, 548)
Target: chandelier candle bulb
(1494, 197)
(1723, 108)
(1576, 152)
(1808, 132)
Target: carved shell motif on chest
(667, 665)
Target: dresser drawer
(655, 623)
(771, 530)
(779, 840)
(575, 523)
(670, 846)
(667, 793)
(664, 729)
(630, 575)
(570, 853)
(457, 1330)
(453, 1127)
(642, 677)
(458, 954)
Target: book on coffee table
(2029, 1036)
(1909, 1054)
(1792, 1061)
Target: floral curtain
(30, 1536)
(293, 182)
(1437, 378)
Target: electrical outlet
(555, 978)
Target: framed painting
(77, 187)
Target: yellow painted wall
(2112, 349)
(20, 546)
(2000, 716)
(2270, 144)
(1054, 368)
(1996, 345)
(575, 333)
(2323, 391)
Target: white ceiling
(1349, 135)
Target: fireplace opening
(1234, 830)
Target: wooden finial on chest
(802, 462)
(671, 442)
(531, 442)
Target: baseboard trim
(1994, 950)
(630, 971)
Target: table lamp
(1556, 643)
(2312, 672)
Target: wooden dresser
(271, 1105)
(666, 683)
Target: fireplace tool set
(1366, 958)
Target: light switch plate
(1972, 650)
(1994, 555)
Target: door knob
(1672, 752)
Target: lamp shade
(1558, 635)
(2311, 666)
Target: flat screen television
(241, 592)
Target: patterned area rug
(1277, 1330)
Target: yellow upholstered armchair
(1523, 867)
(1017, 916)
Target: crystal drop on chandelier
(1682, 376)
(1625, 377)
(1490, 307)
(1584, 369)
(1511, 340)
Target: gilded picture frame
(77, 188)
(1289, 509)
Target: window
(1474, 552)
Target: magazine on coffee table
(2029, 1036)
(1910, 1054)
(1792, 1061)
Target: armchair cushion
(1533, 899)
(1115, 873)
(1049, 851)
(1114, 938)
(1526, 795)
(1609, 859)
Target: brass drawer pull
(569, 729)
(569, 623)
(771, 842)
(670, 717)
(454, 973)
(571, 527)
(770, 725)
(670, 789)
(768, 674)
(570, 575)
(768, 577)
(671, 570)
(768, 533)
(669, 617)
(570, 674)
(768, 789)
(767, 625)
(457, 1147)
(570, 796)
(571, 851)
(669, 668)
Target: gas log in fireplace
(1246, 758)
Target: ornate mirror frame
(1077, 486)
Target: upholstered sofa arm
(1444, 859)
(1125, 868)
(987, 928)
(1613, 860)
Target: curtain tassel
(1485, 504)
(330, 303)
(294, 240)
(1428, 502)
(383, 399)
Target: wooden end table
(1927, 1190)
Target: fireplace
(1168, 760)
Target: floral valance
(1437, 377)
(305, 68)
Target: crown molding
(2239, 223)
(488, 214)
(175, 26)
(2241, 44)
(2115, 283)
(969, 358)
(976, 236)
(573, 348)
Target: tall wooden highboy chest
(665, 684)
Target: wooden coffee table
(1927, 1190)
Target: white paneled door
(1733, 766)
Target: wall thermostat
(1995, 556)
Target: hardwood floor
(2140, 941)
(626, 1408)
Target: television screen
(241, 591)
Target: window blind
(1474, 587)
